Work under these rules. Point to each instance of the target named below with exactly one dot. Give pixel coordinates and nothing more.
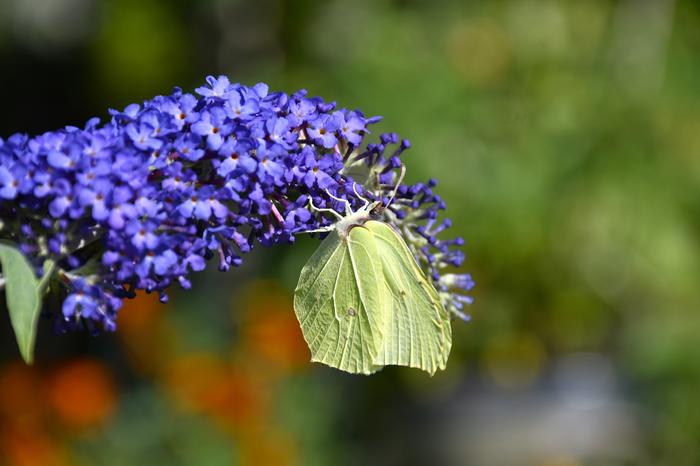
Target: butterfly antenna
(396, 187)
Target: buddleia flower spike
(165, 186)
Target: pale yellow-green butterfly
(363, 302)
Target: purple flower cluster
(414, 211)
(141, 201)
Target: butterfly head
(377, 209)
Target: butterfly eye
(378, 210)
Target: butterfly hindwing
(339, 302)
(417, 330)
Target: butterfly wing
(417, 330)
(339, 302)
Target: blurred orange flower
(82, 394)
(209, 385)
(30, 448)
(140, 313)
(21, 398)
(144, 333)
(272, 330)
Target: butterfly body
(363, 302)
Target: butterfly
(363, 302)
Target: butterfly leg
(319, 230)
(359, 196)
(348, 208)
(318, 209)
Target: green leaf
(22, 296)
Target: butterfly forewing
(339, 302)
(417, 329)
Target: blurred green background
(566, 138)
